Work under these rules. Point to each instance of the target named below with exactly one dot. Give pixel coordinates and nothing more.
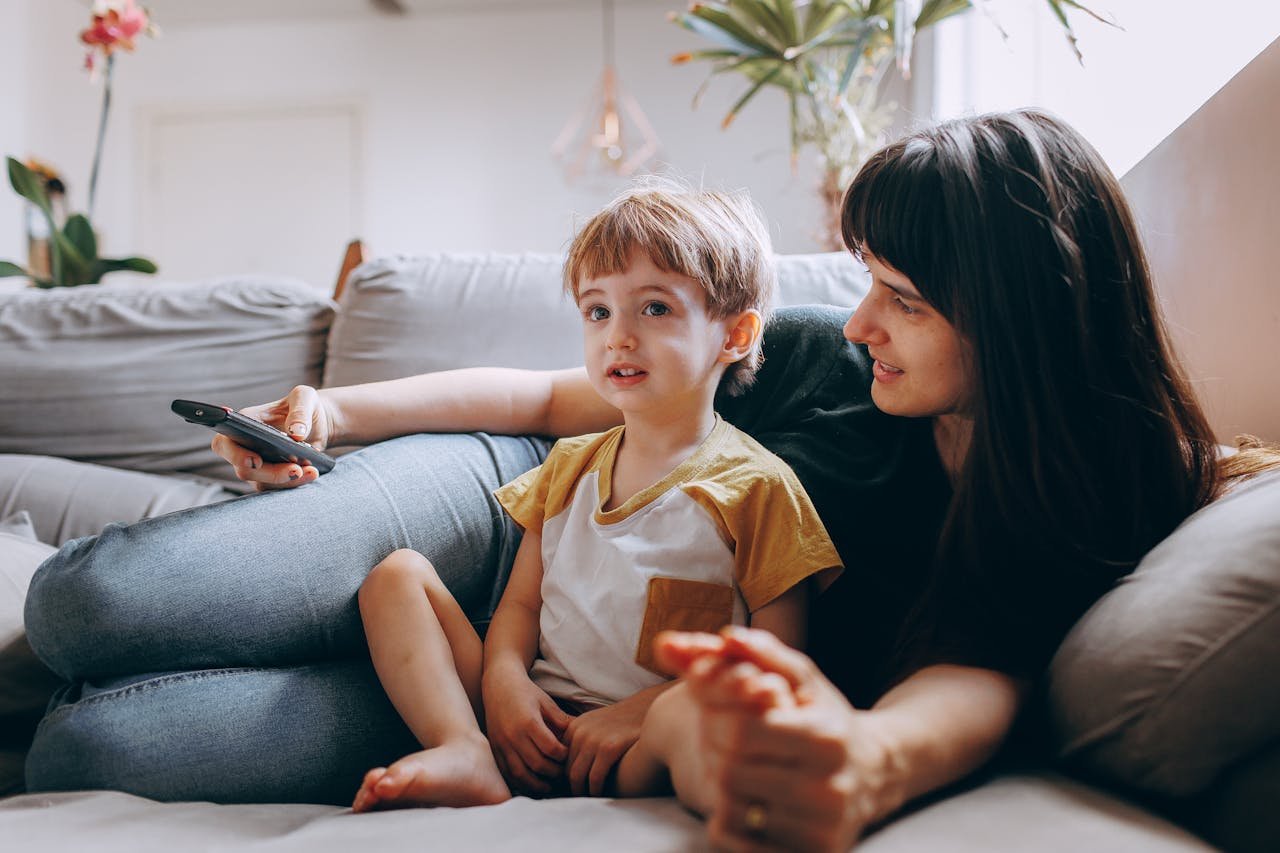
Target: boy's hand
(524, 725)
(600, 737)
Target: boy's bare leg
(668, 755)
(428, 658)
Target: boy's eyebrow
(660, 288)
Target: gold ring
(755, 818)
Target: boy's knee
(401, 567)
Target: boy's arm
(786, 617)
(522, 721)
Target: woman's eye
(597, 312)
(656, 309)
(906, 309)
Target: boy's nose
(620, 337)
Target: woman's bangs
(891, 212)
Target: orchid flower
(115, 25)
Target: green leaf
(763, 14)
(822, 18)
(8, 269)
(742, 102)
(712, 33)
(774, 71)
(786, 13)
(934, 11)
(80, 233)
(729, 26)
(1083, 8)
(28, 184)
(72, 267)
(102, 266)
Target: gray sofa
(1162, 709)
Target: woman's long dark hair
(1088, 444)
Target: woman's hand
(303, 414)
(600, 737)
(793, 765)
(524, 725)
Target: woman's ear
(744, 333)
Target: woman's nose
(862, 327)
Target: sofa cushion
(25, 684)
(404, 315)
(66, 500)
(89, 371)
(1169, 681)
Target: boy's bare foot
(456, 773)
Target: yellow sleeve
(546, 491)
(778, 539)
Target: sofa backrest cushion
(1169, 683)
(89, 372)
(405, 315)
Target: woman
(1008, 436)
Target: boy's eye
(656, 309)
(597, 312)
(906, 309)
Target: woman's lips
(885, 372)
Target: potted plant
(830, 58)
(72, 245)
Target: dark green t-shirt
(881, 490)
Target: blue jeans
(217, 653)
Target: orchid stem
(102, 132)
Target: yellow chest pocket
(676, 604)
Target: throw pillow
(1168, 683)
(89, 372)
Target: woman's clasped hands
(790, 764)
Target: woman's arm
(497, 400)
(941, 724)
(482, 399)
(816, 773)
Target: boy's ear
(744, 333)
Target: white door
(254, 190)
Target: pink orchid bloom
(115, 25)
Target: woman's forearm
(489, 399)
(938, 726)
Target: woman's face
(921, 362)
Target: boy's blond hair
(718, 239)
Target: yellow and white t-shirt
(726, 532)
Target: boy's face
(651, 347)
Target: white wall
(1136, 84)
(13, 125)
(460, 110)
(1208, 202)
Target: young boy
(673, 520)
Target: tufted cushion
(406, 315)
(1169, 681)
(89, 371)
